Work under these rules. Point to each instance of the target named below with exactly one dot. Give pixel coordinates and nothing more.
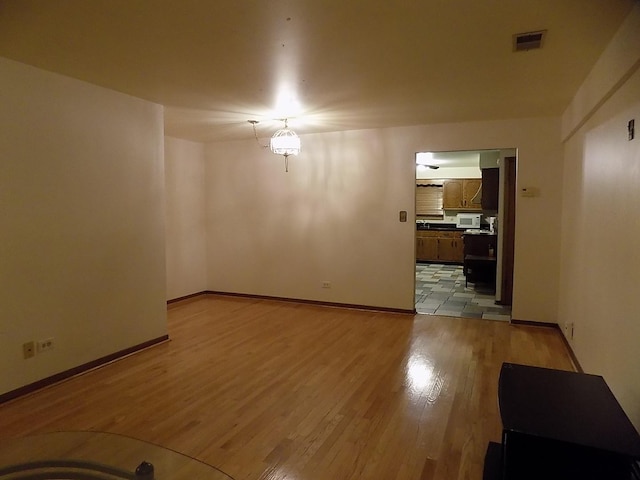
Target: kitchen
(460, 271)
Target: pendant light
(285, 142)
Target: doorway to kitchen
(464, 233)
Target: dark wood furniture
(479, 264)
(490, 188)
(560, 425)
(480, 269)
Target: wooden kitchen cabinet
(426, 246)
(471, 194)
(452, 194)
(451, 247)
(459, 193)
(490, 188)
(439, 246)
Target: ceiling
(338, 64)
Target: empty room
(213, 212)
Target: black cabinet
(490, 188)
(560, 425)
(480, 259)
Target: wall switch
(403, 215)
(326, 284)
(28, 349)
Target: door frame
(506, 226)
(507, 230)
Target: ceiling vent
(528, 41)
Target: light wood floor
(274, 390)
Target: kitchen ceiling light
(426, 160)
(285, 142)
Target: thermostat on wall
(529, 191)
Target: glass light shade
(285, 142)
(424, 158)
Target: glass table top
(97, 455)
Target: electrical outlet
(45, 345)
(326, 284)
(28, 349)
(569, 329)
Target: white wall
(600, 270)
(81, 203)
(186, 227)
(334, 216)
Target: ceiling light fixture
(284, 142)
(426, 160)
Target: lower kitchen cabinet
(426, 248)
(439, 246)
(451, 248)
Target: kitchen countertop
(438, 226)
(449, 227)
(479, 232)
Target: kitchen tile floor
(440, 290)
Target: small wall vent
(528, 41)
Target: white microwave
(468, 220)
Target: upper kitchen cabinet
(490, 188)
(462, 194)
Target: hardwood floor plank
(276, 390)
